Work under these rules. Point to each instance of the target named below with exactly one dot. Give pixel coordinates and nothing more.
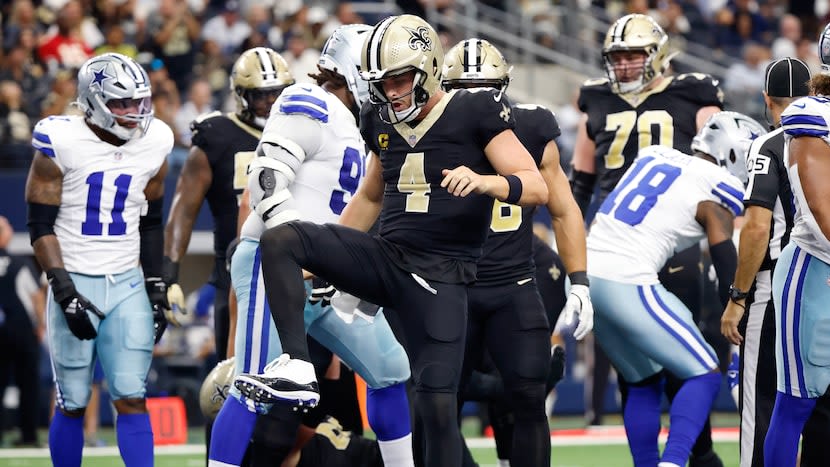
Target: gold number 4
(622, 123)
(413, 180)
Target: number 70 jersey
(651, 212)
(103, 191)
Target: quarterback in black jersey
(637, 105)
(431, 178)
(505, 311)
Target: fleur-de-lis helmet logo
(420, 38)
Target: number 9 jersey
(325, 131)
(103, 191)
(650, 215)
(622, 124)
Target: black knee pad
(438, 377)
(527, 399)
(281, 238)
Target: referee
(766, 230)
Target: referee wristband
(579, 278)
(514, 193)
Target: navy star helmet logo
(420, 38)
(99, 76)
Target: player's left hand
(461, 181)
(579, 304)
(157, 293)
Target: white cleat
(283, 380)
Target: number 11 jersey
(103, 191)
(650, 215)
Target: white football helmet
(475, 63)
(726, 136)
(636, 33)
(111, 80)
(215, 388)
(397, 45)
(341, 55)
(257, 73)
(824, 49)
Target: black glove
(75, 306)
(321, 292)
(157, 293)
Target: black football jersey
(426, 229)
(769, 187)
(508, 249)
(230, 145)
(340, 449)
(620, 125)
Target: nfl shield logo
(412, 140)
(118, 155)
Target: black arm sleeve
(152, 239)
(41, 220)
(582, 186)
(725, 259)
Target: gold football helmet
(397, 45)
(475, 63)
(636, 33)
(258, 77)
(215, 388)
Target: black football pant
(20, 356)
(509, 322)
(433, 315)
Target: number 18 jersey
(103, 191)
(651, 213)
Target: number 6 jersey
(651, 213)
(103, 191)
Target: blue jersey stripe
(307, 105)
(802, 131)
(42, 137)
(312, 112)
(47, 150)
(729, 201)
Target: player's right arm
(44, 187)
(193, 183)
(583, 177)
(363, 209)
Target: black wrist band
(579, 278)
(169, 270)
(514, 193)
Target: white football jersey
(808, 116)
(650, 215)
(326, 130)
(103, 191)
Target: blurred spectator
(20, 66)
(199, 102)
(789, 29)
(301, 59)
(60, 99)
(227, 29)
(744, 81)
(65, 47)
(173, 34)
(262, 25)
(22, 313)
(806, 52)
(22, 18)
(193, 340)
(738, 23)
(115, 42)
(15, 128)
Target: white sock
(398, 452)
(504, 463)
(667, 464)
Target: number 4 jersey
(651, 213)
(103, 191)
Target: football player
(216, 171)
(312, 148)
(799, 281)
(638, 105)
(666, 201)
(95, 193)
(505, 313)
(431, 179)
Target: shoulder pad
(47, 129)
(807, 116)
(206, 116)
(304, 99)
(701, 77)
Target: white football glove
(579, 303)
